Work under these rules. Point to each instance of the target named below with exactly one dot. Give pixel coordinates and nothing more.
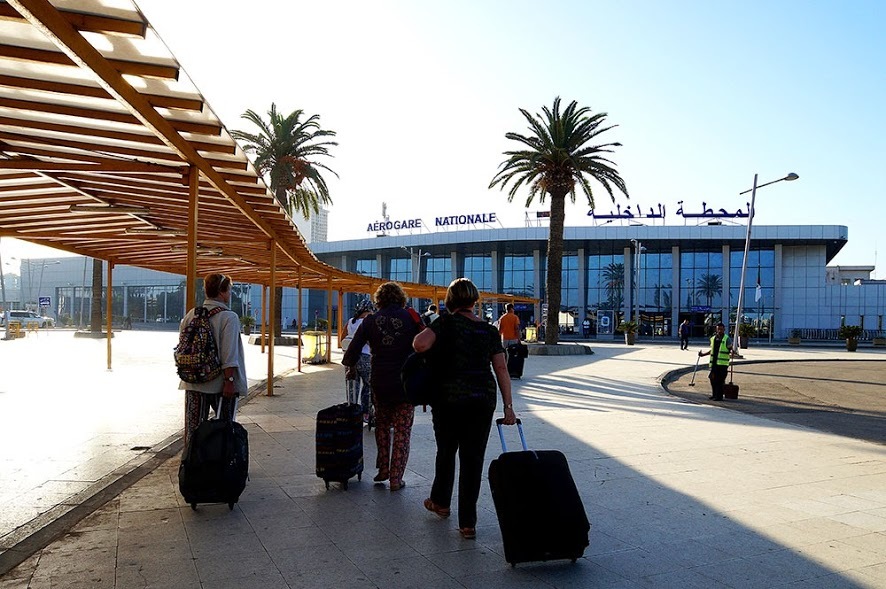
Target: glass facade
(367, 267)
(438, 270)
(518, 275)
(761, 269)
(479, 270)
(400, 270)
(606, 285)
(655, 292)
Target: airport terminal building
(661, 273)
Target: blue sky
(705, 95)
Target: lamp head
(791, 177)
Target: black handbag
(419, 379)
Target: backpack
(196, 355)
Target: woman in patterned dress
(389, 332)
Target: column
(676, 290)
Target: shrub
(850, 331)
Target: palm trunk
(555, 268)
(278, 311)
(95, 314)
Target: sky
(703, 94)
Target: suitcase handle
(221, 400)
(504, 447)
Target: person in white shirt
(359, 390)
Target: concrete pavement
(678, 494)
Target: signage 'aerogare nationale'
(447, 221)
(394, 225)
(481, 218)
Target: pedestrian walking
(219, 393)
(359, 388)
(509, 327)
(720, 352)
(685, 329)
(389, 332)
(466, 400)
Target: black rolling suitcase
(517, 354)
(340, 443)
(215, 464)
(539, 510)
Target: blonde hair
(461, 294)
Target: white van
(27, 318)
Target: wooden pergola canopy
(100, 134)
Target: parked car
(27, 318)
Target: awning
(103, 138)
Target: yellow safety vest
(721, 355)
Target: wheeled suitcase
(517, 354)
(215, 464)
(539, 510)
(340, 443)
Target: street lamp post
(747, 245)
(415, 267)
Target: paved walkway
(679, 495)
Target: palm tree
(709, 286)
(662, 298)
(286, 151)
(614, 282)
(556, 158)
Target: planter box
(630, 338)
(851, 344)
(879, 341)
(794, 341)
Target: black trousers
(684, 342)
(718, 379)
(461, 430)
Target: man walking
(509, 327)
(684, 334)
(721, 349)
(220, 392)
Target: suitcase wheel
(231, 507)
(359, 476)
(327, 483)
(344, 485)
(194, 506)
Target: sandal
(442, 512)
(468, 533)
(381, 476)
(396, 486)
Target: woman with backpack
(222, 387)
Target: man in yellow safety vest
(721, 349)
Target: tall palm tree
(286, 149)
(614, 282)
(558, 155)
(709, 286)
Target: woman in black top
(464, 348)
